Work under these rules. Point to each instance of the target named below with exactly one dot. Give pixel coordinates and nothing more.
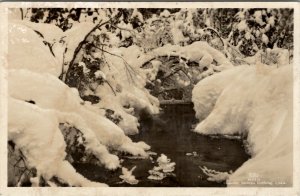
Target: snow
(248, 35)
(25, 43)
(35, 132)
(255, 101)
(128, 177)
(130, 79)
(100, 74)
(265, 39)
(258, 17)
(63, 44)
(132, 94)
(194, 154)
(38, 82)
(271, 21)
(199, 52)
(137, 14)
(50, 36)
(85, 69)
(240, 15)
(164, 168)
(125, 30)
(177, 34)
(243, 100)
(275, 57)
(165, 164)
(281, 56)
(165, 14)
(214, 175)
(242, 26)
(26, 85)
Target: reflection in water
(170, 133)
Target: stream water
(170, 133)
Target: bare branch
(110, 87)
(216, 32)
(77, 50)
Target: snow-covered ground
(254, 101)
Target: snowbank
(63, 45)
(255, 102)
(29, 86)
(35, 132)
(34, 127)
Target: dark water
(170, 133)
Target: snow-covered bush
(257, 29)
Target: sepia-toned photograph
(150, 97)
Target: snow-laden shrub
(256, 29)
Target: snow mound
(255, 102)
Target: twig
(21, 13)
(127, 65)
(216, 32)
(110, 87)
(124, 29)
(84, 41)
